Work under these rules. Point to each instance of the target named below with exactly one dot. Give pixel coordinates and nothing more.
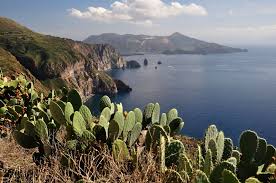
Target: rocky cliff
(58, 62)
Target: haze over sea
(234, 91)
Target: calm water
(234, 91)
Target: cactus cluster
(37, 120)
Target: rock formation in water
(132, 64)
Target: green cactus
(147, 114)
(200, 159)
(208, 165)
(113, 130)
(163, 120)
(75, 99)
(270, 153)
(214, 149)
(201, 177)
(153, 135)
(252, 180)
(261, 151)
(69, 110)
(100, 133)
(135, 133)
(106, 112)
(57, 113)
(216, 175)
(86, 113)
(171, 115)
(105, 102)
(248, 145)
(120, 108)
(104, 123)
(120, 150)
(119, 118)
(155, 114)
(232, 160)
(128, 124)
(220, 145)
(228, 148)
(79, 125)
(138, 115)
(176, 125)
(26, 141)
(184, 163)
(229, 177)
(211, 133)
(173, 150)
(237, 155)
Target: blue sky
(230, 22)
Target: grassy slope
(21, 41)
(11, 67)
(45, 56)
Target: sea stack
(146, 61)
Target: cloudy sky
(232, 22)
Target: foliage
(37, 121)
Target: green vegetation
(127, 136)
(54, 62)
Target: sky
(231, 22)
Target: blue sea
(234, 91)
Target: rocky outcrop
(132, 64)
(122, 87)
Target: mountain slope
(58, 62)
(173, 44)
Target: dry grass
(96, 166)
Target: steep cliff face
(59, 62)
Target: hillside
(173, 44)
(58, 62)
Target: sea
(236, 91)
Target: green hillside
(59, 62)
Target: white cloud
(139, 11)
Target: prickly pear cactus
(105, 102)
(134, 134)
(217, 174)
(248, 145)
(120, 150)
(113, 130)
(228, 148)
(176, 125)
(128, 124)
(86, 113)
(208, 165)
(173, 151)
(75, 99)
(172, 114)
(106, 112)
(201, 177)
(138, 115)
(229, 177)
(163, 120)
(147, 114)
(155, 114)
(79, 125)
(57, 113)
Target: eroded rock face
(87, 74)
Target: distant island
(176, 43)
